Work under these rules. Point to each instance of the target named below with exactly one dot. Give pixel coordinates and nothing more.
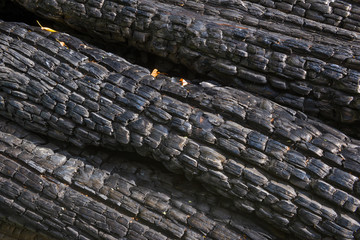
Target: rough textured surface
(297, 174)
(303, 54)
(97, 195)
(10, 231)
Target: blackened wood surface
(303, 54)
(71, 193)
(297, 174)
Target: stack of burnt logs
(213, 161)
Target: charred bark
(97, 195)
(296, 173)
(302, 54)
(11, 231)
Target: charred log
(97, 195)
(296, 173)
(301, 54)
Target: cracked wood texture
(303, 54)
(296, 173)
(11, 231)
(92, 194)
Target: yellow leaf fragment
(45, 28)
(48, 29)
(61, 43)
(183, 82)
(155, 73)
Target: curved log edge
(287, 57)
(296, 173)
(98, 195)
